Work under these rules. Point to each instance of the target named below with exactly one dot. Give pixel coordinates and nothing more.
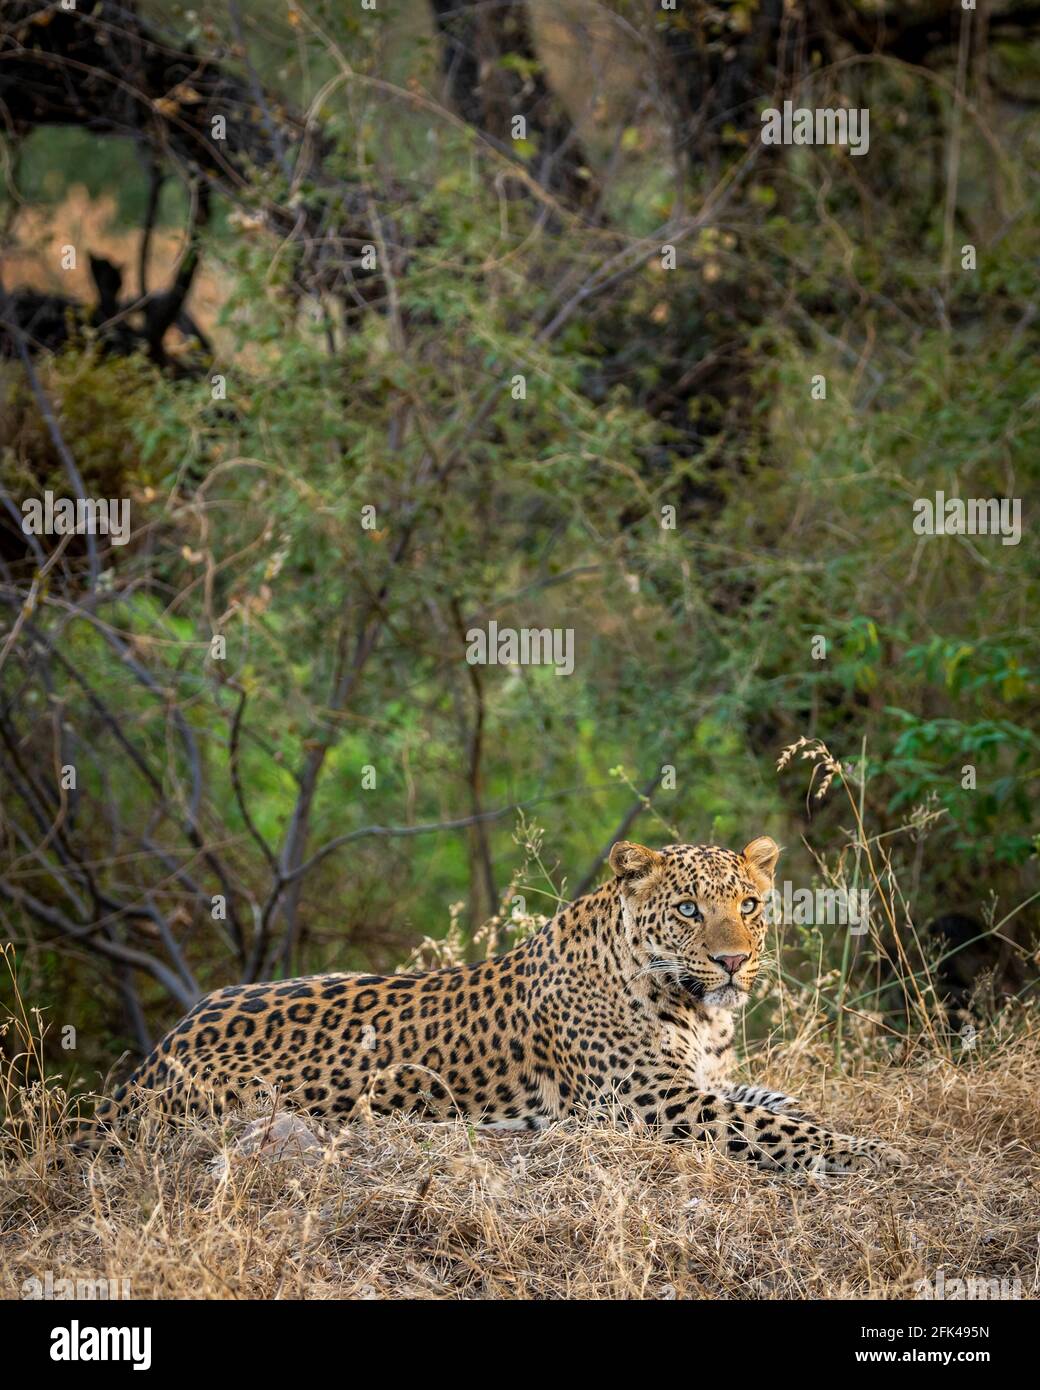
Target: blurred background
(374, 365)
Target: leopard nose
(730, 963)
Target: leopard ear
(761, 855)
(633, 863)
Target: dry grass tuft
(398, 1209)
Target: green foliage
(103, 402)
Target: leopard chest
(700, 1040)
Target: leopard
(622, 1006)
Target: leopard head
(695, 914)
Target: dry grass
(397, 1209)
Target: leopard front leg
(759, 1135)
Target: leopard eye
(691, 910)
(748, 906)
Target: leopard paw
(844, 1154)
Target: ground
(397, 1209)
